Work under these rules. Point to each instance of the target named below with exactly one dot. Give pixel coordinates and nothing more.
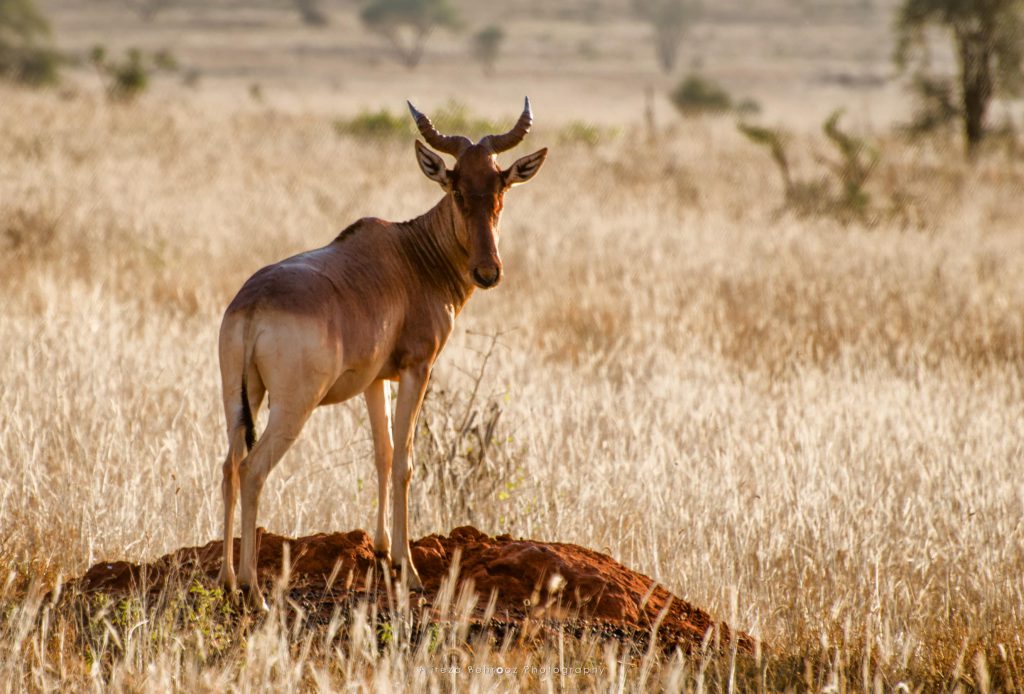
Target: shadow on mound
(532, 585)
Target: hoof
(227, 581)
(412, 580)
(253, 599)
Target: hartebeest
(375, 304)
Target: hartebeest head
(477, 186)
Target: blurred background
(601, 61)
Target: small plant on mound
(26, 53)
(129, 77)
(842, 191)
(469, 452)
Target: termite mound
(520, 584)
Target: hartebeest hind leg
(378, 404)
(411, 387)
(283, 427)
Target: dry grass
(813, 430)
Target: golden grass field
(814, 430)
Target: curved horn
(450, 144)
(501, 143)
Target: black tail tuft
(250, 426)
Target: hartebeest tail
(245, 411)
(376, 304)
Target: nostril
(486, 276)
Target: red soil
(595, 591)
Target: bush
(453, 118)
(26, 54)
(841, 192)
(127, 78)
(696, 95)
(375, 124)
(35, 66)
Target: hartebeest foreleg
(229, 490)
(412, 385)
(230, 481)
(378, 404)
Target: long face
(476, 186)
(477, 189)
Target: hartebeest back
(375, 304)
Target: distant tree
(487, 45)
(669, 19)
(149, 9)
(311, 12)
(988, 39)
(407, 24)
(26, 52)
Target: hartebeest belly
(378, 303)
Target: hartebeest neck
(431, 245)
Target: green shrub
(840, 192)
(375, 124)
(35, 66)
(26, 53)
(696, 95)
(452, 118)
(857, 160)
(127, 78)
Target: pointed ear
(525, 168)
(431, 163)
